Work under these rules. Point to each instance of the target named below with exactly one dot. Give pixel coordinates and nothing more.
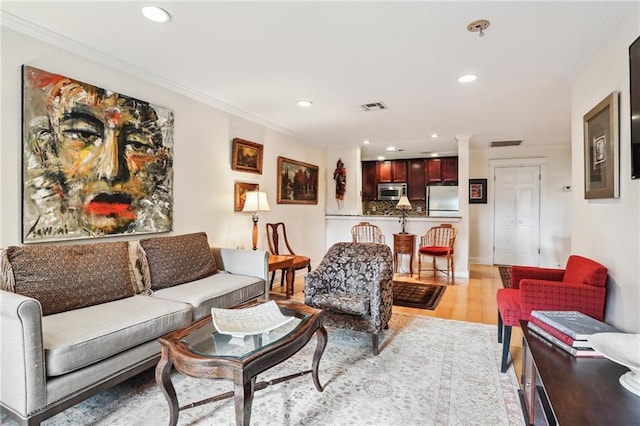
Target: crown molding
(43, 34)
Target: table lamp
(403, 205)
(255, 202)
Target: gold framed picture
(246, 156)
(297, 182)
(240, 192)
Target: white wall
(351, 157)
(608, 230)
(555, 205)
(203, 179)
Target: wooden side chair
(438, 241)
(364, 232)
(279, 245)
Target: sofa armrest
(254, 263)
(382, 296)
(558, 296)
(22, 376)
(519, 273)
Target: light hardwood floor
(472, 300)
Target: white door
(516, 216)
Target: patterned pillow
(168, 261)
(64, 278)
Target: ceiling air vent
(374, 106)
(495, 144)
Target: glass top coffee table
(200, 351)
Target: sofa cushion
(69, 277)
(82, 337)
(581, 270)
(169, 261)
(221, 290)
(347, 303)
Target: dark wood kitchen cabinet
(450, 170)
(392, 171)
(442, 170)
(369, 180)
(417, 180)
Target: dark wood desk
(404, 244)
(277, 262)
(558, 388)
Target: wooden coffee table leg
(243, 386)
(163, 379)
(321, 335)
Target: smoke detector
(478, 26)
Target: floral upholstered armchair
(353, 285)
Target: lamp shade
(256, 201)
(404, 203)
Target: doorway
(516, 218)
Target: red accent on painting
(110, 209)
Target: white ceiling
(257, 59)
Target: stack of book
(568, 330)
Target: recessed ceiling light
(380, 157)
(367, 142)
(434, 135)
(304, 103)
(155, 14)
(467, 78)
(391, 148)
(433, 154)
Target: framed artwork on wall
(246, 156)
(602, 150)
(477, 191)
(95, 163)
(240, 192)
(297, 182)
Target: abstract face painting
(95, 163)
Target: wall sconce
(403, 205)
(255, 202)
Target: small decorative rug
(429, 371)
(505, 275)
(417, 295)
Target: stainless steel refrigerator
(442, 200)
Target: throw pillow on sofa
(64, 278)
(169, 261)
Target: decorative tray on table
(258, 319)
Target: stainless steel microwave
(391, 191)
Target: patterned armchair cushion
(169, 261)
(354, 304)
(63, 278)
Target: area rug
(417, 295)
(505, 275)
(429, 372)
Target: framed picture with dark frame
(297, 182)
(246, 156)
(602, 150)
(240, 191)
(477, 191)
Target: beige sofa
(76, 319)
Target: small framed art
(246, 156)
(477, 191)
(601, 150)
(241, 189)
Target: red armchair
(581, 286)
